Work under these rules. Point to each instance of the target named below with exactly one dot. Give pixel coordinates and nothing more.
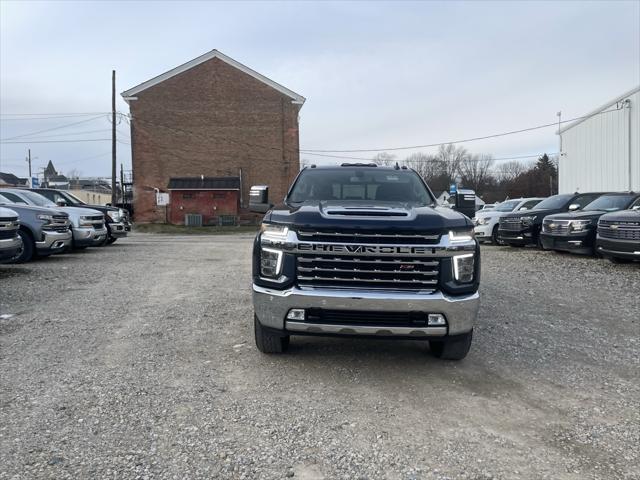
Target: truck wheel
(268, 342)
(494, 236)
(28, 247)
(111, 240)
(452, 349)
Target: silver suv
(10, 241)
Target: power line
(67, 114)
(35, 119)
(466, 140)
(51, 129)
(59, 141)
(40, 137)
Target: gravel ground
(137, 361)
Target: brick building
(205, 132)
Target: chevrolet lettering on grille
(364, 249)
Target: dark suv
(117, 219)
(618, 236)
(575, 232)
(523, 228)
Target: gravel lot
(137, 361)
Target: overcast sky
(375, 75)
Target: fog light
(463, 267)
(296, 314)
(436, 320)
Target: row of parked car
(605, 224)
(41, 222)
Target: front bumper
(580, 244)
(629, 249)
(10, 248)
(119, 229)
(88, 236)
(483, 232)
(53, 242)
(517, 237)
(271, 307)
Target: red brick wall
(211, 120)
(208, 203)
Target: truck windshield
(37, 199)
(556, 201)
(72, 198)
(358, 183)
(610, 203)
(507, 206)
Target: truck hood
(78, 211)
(623, 216)
(580, 215)
(19, 207)
(539, 214)
(7, 213)
(364, 215)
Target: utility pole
(29, 162)
(122, 183)
(113, 138)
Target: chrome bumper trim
(54, 241)
(271, 306)
(383, 331)
(619, 252)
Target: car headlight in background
(463, 267)
(482, 221)
(44, 217)
(461, 235)
(528, 219)
(116, 216)
(270, 262)
(85, 221)
(579, 225)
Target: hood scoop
(366, 212)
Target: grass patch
(183, 230)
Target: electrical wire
(41, 137)
(58, 141)
(51, 129)
(466, 140)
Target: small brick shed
(211, 197)
(211, 117)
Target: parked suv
(618, 236)
(43, 231)
(520, 229)
(87, 226)
(486, 221)
(117, 219)
(576, 231)
(363, 250)
(10, 241)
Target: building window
(219, 195)
(187, 195)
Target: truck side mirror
(259, 199)
(573, 207)
(61, 202)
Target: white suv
(486, 221)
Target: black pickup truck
(523, 228)
(618, 237)
(575, 232)
(363, 250)
(117, 219)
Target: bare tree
(74, 173)
(384, 158)
(476, 170)
(451, 157)
(509, 171)
(426, 165)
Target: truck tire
(111, 240)
(494, 236)
(28, 247)
(452, 349)
(268, 342)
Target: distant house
(10, 180)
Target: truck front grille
(510, 223)
(357, 236)
(8, 227)
(619, 230)
(60, 223)
(556, 227)
(389, 273)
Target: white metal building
(601, 152)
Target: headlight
(463, 267)
(270, 262)
(85, 221)
(482, 221)
(116, 216)
(44, 217)
(460, 235)
(579, 225)
(274, 232)
(528, 219)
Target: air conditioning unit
(193, 220)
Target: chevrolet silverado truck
(43, 231)
(364, 250)
(10, 241)
(575, 232)
(518, 229)
(87, 225)
(117, 219)
(618, 237)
